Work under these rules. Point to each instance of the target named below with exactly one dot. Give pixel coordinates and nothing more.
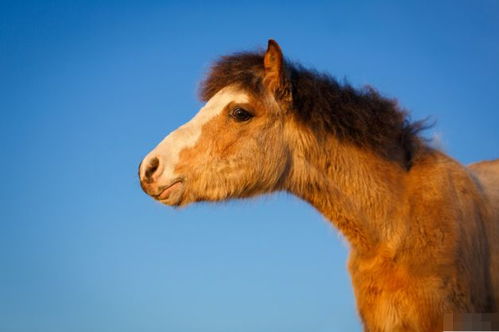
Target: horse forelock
(243, 69)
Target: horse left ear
(275, 77)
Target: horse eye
(241, 115)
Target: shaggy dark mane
(359, 116)
(245, 69)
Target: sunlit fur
(423, 229)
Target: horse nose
(151, 168)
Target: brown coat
(423, 228)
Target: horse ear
(275, 72)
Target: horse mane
(359, 116)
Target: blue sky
(88, 88)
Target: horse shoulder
(433, 261)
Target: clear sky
(87, 88)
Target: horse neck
(357, 190)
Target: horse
(421, 227)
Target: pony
(422, 228)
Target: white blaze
(187, 135)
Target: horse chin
(174, 195)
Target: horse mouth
(171, 194)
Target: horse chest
(389, 298)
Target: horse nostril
(151, 169)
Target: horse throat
(354, 188)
